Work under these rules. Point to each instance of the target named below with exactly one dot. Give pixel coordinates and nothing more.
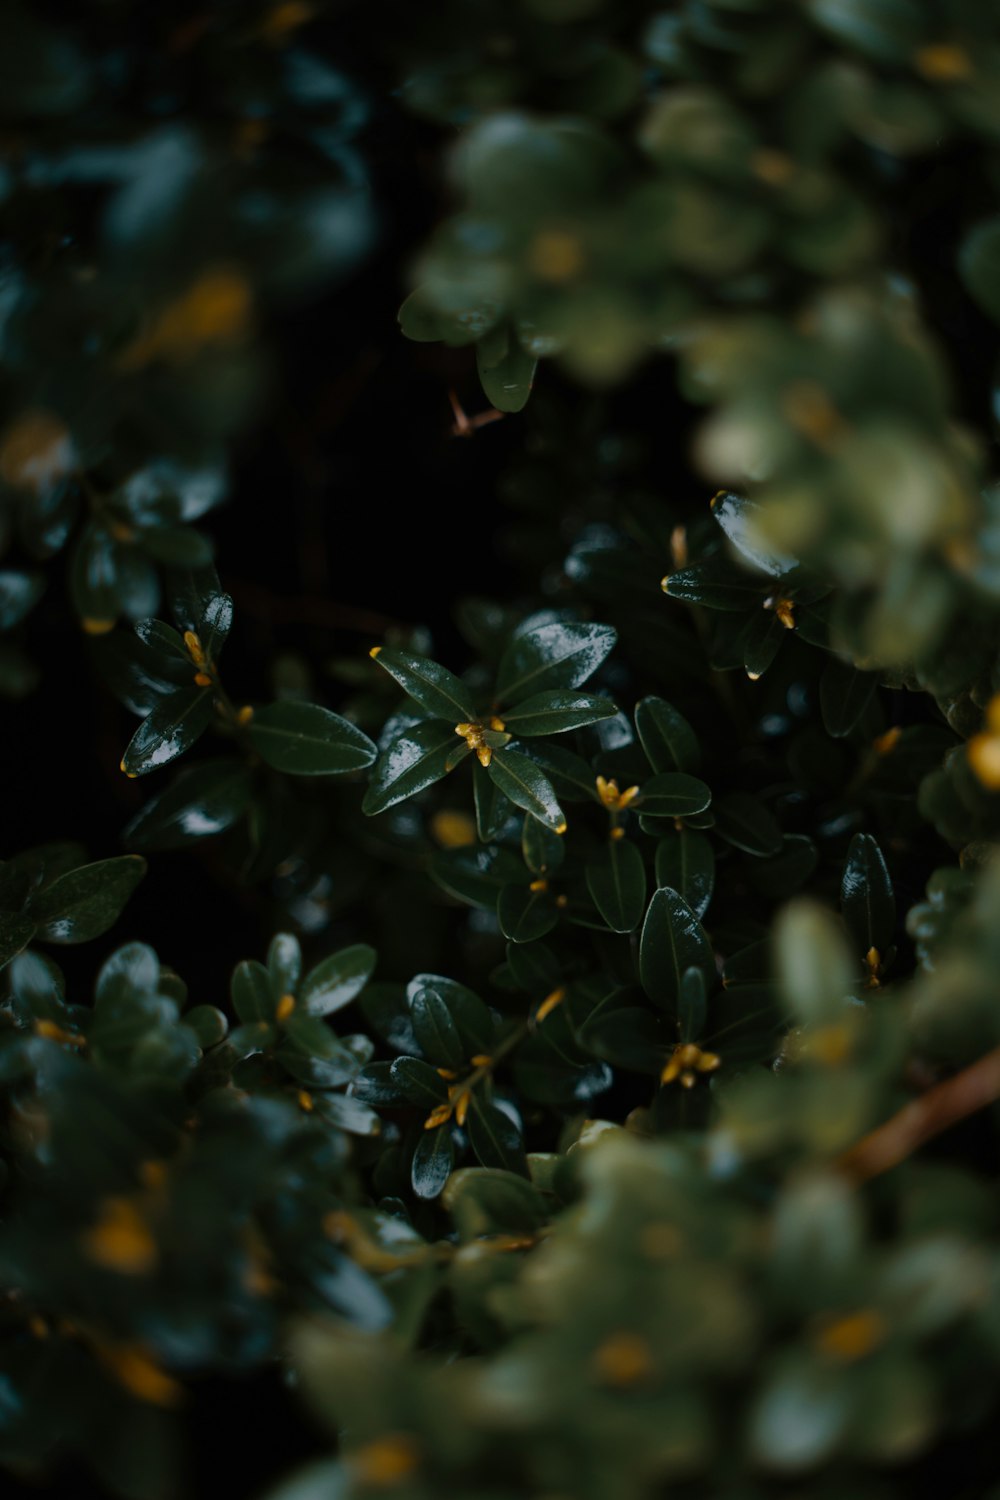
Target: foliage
(614, 1108)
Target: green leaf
(527, 786)
(716, 585)
(506, 382)
(165, 640)
(414, 761)
(93, 576)
(543, 849)
(560, 655)
(84, 903)
(555, 713)
(666, 736)
(418, 1082)
(284, 964)
(616, 880)
(427, 683)
(432, 1162)
(743, 821)
(303, 739)
(208, 1024)
(672, 941)
(979, 266)
(814, 968)
(844, 695)
(470, 1015)
(740, 519)
(692, 1005)
(492, 807)
(174, 725)
(628, 1037)
(251, 993)
(19, 593)
(525, 915)
(336, 981)
(672, 794)
(787, 872)
(476, 876)
(685, 861)
(177, 546)
(348, 1113)
(436, 1033)
(866, 896)
(484, 1200)
(201, 802)
(495, 1138)
(16, 933)
(572, 778)
(762, 640)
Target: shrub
(604, 1098)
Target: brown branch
(941, 1107)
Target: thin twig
(941, 1107)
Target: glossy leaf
(284, 964)
(476, 876)
(715, 585)
(174, 725)
(414, 761)
(866, 896)
(692, 1004)
(303, 739)
(251, 992)
(616, 880)
(336, 981)
(436, 1032)
(672, 941)
(470, 1015)
(672, 794)
(554, 713)
(82, 904)
(560, 655)
(666, 736)
(201, 802)
(740, 518)
(744, 821)
(432, 1163)
(494, 1137)
(543, 849)
(492, 807)
(685, 861)
(418, 1082)
(427, 683)
(527, 786)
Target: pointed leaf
(555, 713)
(174, 725)
(527, 786)
(427, 683)
(866, 896)
(303, 739)
(672, 941)
(470, 1015)
(666, 736)
(616, 880)
(436, 1033)
(716, 585)
(560, 655)
(16, 933)
(672, 794)
(744, 821)
(414, 761)
(685, 861)
(84, 903)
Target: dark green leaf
(527, 786)
(844, 694)
(19, 593)
(476, 876)
(628, 1037)
(208, 1024)
(492, 807)
(544, 850)
(201, 802)
(525, 915)
(84, 903)
(436, 1033)
(866, 896)
(164, 639)
(336, 981)
(717, 585)
(740, 519)
(251, 993)
(411, 763)
(616, 880)
(16, 933)
(672, 794)
(560, 655)
(303, 739)
(495, 1138)
(471, 1016)
(432, 1162)
(506, 382)
(685, 861)
(744, 821)
(284, 964)
(979, 265)
(174, 725)
(374, 1085)
(427, 683)
(418, 1082)
(762, 641)
(692, 1005)
(672, 941)
(667, 738)
(177, 546)
(554, 713)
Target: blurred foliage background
(617, 382)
